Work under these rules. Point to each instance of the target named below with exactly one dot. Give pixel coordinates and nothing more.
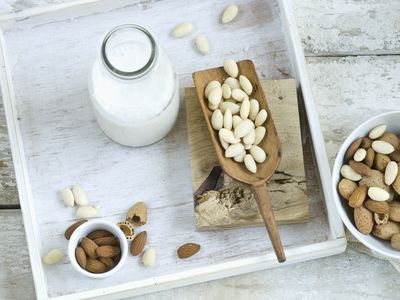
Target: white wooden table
(352, 50)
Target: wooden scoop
(270, 144)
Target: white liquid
(134, 112)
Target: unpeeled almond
(138, 243)
(188, 250)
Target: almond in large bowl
(392, 120)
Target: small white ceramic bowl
(392, 120)
(87, 228)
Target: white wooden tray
(45, 57)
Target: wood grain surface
(287, 186)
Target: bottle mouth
(128, 51)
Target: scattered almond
(188, 250)
(70, 230)
(138, 243)
(137, 215)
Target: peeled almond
(245, 109)
(215, 96)
(228, 136)
(231, 68)
(217, 119)
(86, 212)
(254, 109)
(212, 107)
(243, 128)
(239, 95)
(260, 133)
(182, 30)
(382, 147)
(261, 117)
(347, 172)
(391, 171)
(67, 196)
(228, 119)
(258, 154)
(202, 44)
(229, 14)
(234, 150)
(79, 195)
(377, 131)
(233, 83)
(378, 194)
(250, 137)
(240, 158)
(226, 91)
(53, 256)
(210, 86)
(250, 163)
(360, 154)
(236, 120)
(232, 106)
(224, 144)
(245, 84)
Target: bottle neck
(129, 52)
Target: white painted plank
(348, 91)
(349, 26)
(323, 278)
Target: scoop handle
(265, 207)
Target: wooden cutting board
(221, 202)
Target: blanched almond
(243, 128)
(210, 86)
(229, 14)
(231, 68)
(378, 194)
(382, 147)
(79, 195)
(245, 84)
(250, 163)
(53, 256)
(391, 172)
(234, 150)
(250, 137)
(233, 83)
(232, 106)
(239, 95)
(217, 119)
(377, 131)
(226, 91)
(182, 30)
(228, 119)
(245, 109)
(224, 144)
(202, 44)
(254, 109)
(360, 154)
(347, 172)
(215, 96)
(260, 133)
(261, 117)
(236, 120)
(258, 154)
(228, 136)
(240, 158)
(67, 196)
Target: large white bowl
(392, 120)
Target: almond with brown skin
(108, 251)
(188, 250)
(80, 257)
(379, 207)
(369, 157)
(346, 187)
(99, 234)
(395, 241)
(358, 196)
(95, 266)
(137, 214)
(381, 161)
(386, 231)
(138, 243)
(391, 138)
(364, 220)
(89, 247)
(394, 212)
(352, 149)
(360, 168)
(376, 179)
(107, 240)
(366, 143)
(396, 183)
(70, 230)
(107, 261)
(395, 155)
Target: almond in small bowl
(98, 260)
